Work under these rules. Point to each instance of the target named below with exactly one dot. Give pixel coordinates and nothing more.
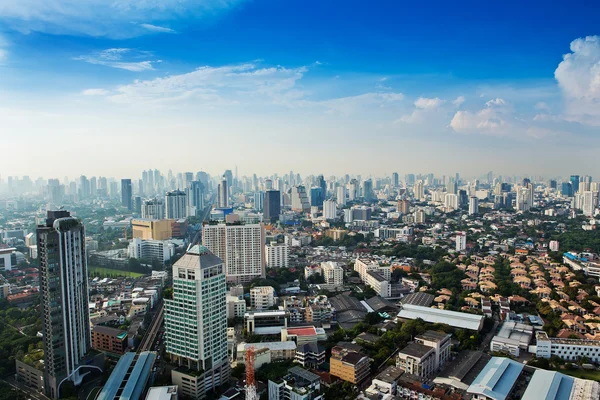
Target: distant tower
(249, 357)
(223, 193)
(126, 194)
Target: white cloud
(578, 76)
(351, 104)
(458, 101)
(496, 102)
(541, 106)
(95, 92)
(113, 18)
(115, 58)
(491, 120)
(3, 51)
(158, 29)
(427, 103)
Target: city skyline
(395, 86)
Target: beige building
(152, 229)
(349, 366)
(262, 297)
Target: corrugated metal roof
(549, 385)
(497, 378)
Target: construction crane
(250, 357)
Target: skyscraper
(299, 199)
(329, 209)
(341, 195)
(323, 185)
(316, 196)
(196, 323)
(153, 209)
(473, 205)
(259, 200)
(272, 205)
(196, 197)
(241, 247)
(574, 183)
(64, 292)
(126, 194)
(395, 180)
(419, 191)
(176, 204)
(367, 190)
(223, 193)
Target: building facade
(64, 291)
(176, 204)
(277, 255)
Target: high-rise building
(138, 205)
(329, 209)
(196, 197)
(196, 323)
(241, 247)
(590, 200)
(323, 185)
(419, 190)
(259, 200)
(175, 204)
(223, 193)
(64, 292)
(341, 195)
(461, 241)
(395, 179)
(353, 190)
(404, 206)
(153, 209)
(574, 179)
(566, 189)
(473, 205)
(84, 187)
(272, 205)
(452, 188)
(126, 194)
(367, 190)
(299, 199)
(451, 201)
(316, 196)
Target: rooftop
(433, 336)
(434, 315)
(390, 374)
(416, 350)
(418, 299)
(548, 385)
(497, 378)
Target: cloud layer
(117, 58)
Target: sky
(112, 87)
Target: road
(29, 392)
(205, 215)
(152, 332)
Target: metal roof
(434, 315)
(549, 385)
(110, 389)
(134, 382)
(497, 378)
(139, 376)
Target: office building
(277, 255)
(195, 198)
(353, 190)
(566, 189)
(473, 205)
(196, 323)
(262, 297)
(259, 200)
(566, 349)
(417, 359)
(64, 293)
(151, 229)
(404, 206)
(176, 204)
(316, 197)
(395, 179)
(126, 194)
(329, 209)
(333, 273)
(574, 179)
(272, 206)
(161, 250)
(440, 343)
(367, 190)
(299, 198)
(298, 384)
(223, 193)
(241, 247)
(153, 209)
(162, 393)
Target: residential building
(162, 393)
(440, 343)
(277, 255)
(386, 382)
(240, 246)
(236, 307)
(348, 365)
(153, 209)
(223, 193)
(262, 297)
(196, 323)
(417, 359)
(279, 350)
(310, 355)
(265, 322)
(461, 241)
(554, 245)
(148, 229)
(329, 209)
(110, 340)
(473, 205)
(64, 292)
(298, 384)
(333, 273)
(195, 197)
(299, 198)
(176, 204)
(404, 206)
(341, 195)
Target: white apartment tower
(341, 195)
(153, 209)
(419, 190)
(329, 209)
(223, 194)
(473, 205)
(240, 246)
(176, 204)
(277, 254)
(461, 241)
(333, 274)
(262, 297)
(196, 323)
(64, 293)
(300, 201)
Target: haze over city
(308, 86)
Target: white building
(298, 384)
(277, 255)
(589, 203)
(175, 204)
(236, 307)
(341, 195)
(348, 216)
(153, 209)
(554, 245)
(329, 209)
(417, 359)
(512, 338)
(242, 247)
(451, 201)
(300, 201)
(262, 297)
(161, 250)
(333, 274)
(196, 323)
(440, 343)
(419, 190)
(566, 349)
(461, 241)
(473, 205)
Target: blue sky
(310, 86)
